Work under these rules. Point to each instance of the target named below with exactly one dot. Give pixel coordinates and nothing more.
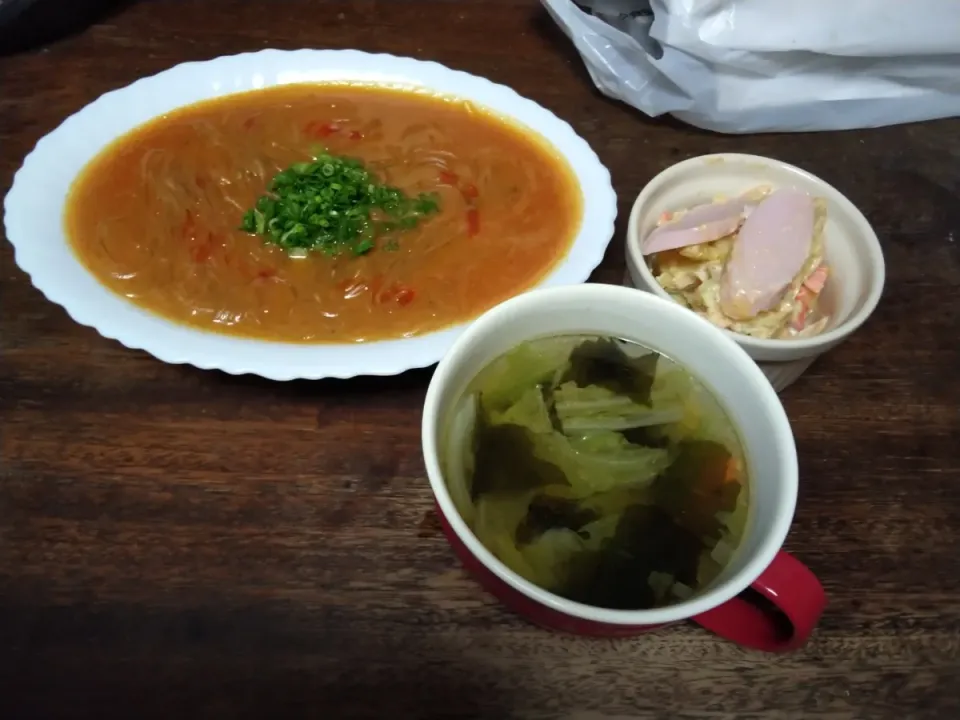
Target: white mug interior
(852, 250)
(664, 326)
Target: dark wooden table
(179, 543)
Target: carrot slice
(733, 471)
(404, 297)
(204, 250)
(804, 296)
(817, 279)
(320, 129)
(473, 222)
(396, 293)
(189, 227)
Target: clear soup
(599, 470)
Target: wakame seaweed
(505, 460)
(617, 576)
(603, 363)
(550, 512)
(546, 391)
(652, 436)
(694, 488)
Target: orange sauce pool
(155, 216)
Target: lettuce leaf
(517, 449)
(597, 534)
(552, 553)
(495, 523)
(529, 410)
(544, 559)
(583, 409)
(601, 461)
(673, 385)
(528, 365)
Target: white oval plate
(34, 208)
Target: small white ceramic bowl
(853, 252)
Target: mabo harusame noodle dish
(320, 213)
(599, 470)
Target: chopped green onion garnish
(332, 205)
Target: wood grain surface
(179, 543)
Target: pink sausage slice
(703, 223)
(770, 250)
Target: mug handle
(789, 587)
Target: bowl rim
(874, 262)
(43, 251)
(597, 295)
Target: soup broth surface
(598, 470)
(155, 217)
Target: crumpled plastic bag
(740, 66)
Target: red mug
(765, 598)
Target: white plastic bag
(739, 66)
